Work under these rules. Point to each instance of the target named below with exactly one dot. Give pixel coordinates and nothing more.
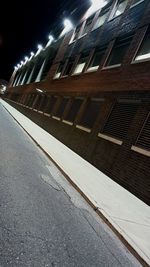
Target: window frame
(138, 48)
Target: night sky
(24, 24)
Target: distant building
(3, 86)
(90, 88)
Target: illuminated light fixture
(39, 90)
(95, 5)
(16, 68)
(22, 63)
(68, 26)
(51, 39)
(31, 55)
(40, 47)
(26, 59)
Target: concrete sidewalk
(126, 214)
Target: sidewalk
(128, 216)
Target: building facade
(89, 87)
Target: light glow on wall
(51, 39)
(95, 5)
(39, 90)
(68, 26)
(40, 48)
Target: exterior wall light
(51, 39)
(40, 47)
(95, 5)
(68, 26)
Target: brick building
(89, 87)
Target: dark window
(59, 112)
(96, 59)
(120, 7)
(68, 68)
(144, 51)
(76, 33)
(144, 137)
(101, 19)
(37, 68)
(59, 71)
(90, 113)
(30, 68)
(75, 106)
(50, 105)
(81, 64)
(88, 25)
(118, 52)
(120, 119)
(46, 68)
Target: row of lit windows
(90, 62)
(84, 114)
(118, 9)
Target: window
(100, 20)
(76, 33)
(136, 2)
(90, 113)
(74, 108)
(118, 52)
(95, 60)
(81, 64)
(144, 51)
(68, 68)
(120, 119)
(88, 25)
(143, 140)
(120, 8)
(59, 112)
(59, 71)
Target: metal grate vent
(144, 137)
(59, 112)
(120, 119)
(90, 113)
(75, 106)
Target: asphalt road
(43, 220)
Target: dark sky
(24, 24)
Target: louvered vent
(50, 105)
(59, 112)
(144, 137)
(120, 119)
(76, 104)
(90, 114)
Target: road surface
(43, 220)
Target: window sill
(75, 74)
(68, 122)
(111, 139)
(46, 114)
(56, 118)
(141, 151)
(140, 61)
(83, 128)
(94, 69)
(137, 4)
(65, 76)
(111, 67)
